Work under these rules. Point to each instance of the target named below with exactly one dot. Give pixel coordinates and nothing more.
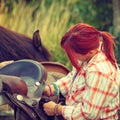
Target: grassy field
(52, 21)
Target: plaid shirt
(92, 92)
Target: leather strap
(35, 113)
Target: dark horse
(16, 46)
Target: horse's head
(16, 46)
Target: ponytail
(108, 46)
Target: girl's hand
(51, 108)
(49, 90)
(46, 91)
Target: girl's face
(85, 57)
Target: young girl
(91, 88)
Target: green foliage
(54, 17)
(118, 47)
(52, 21)
(8, 6)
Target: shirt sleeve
(99, 91)
(65, 82)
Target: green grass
(52, 21)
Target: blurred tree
(116, 16)
(116, 23)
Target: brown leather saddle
(28, 71)
(21, 79)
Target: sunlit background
(54, 17)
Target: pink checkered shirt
(92, 92)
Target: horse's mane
(16, 46)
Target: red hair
(82, 38)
